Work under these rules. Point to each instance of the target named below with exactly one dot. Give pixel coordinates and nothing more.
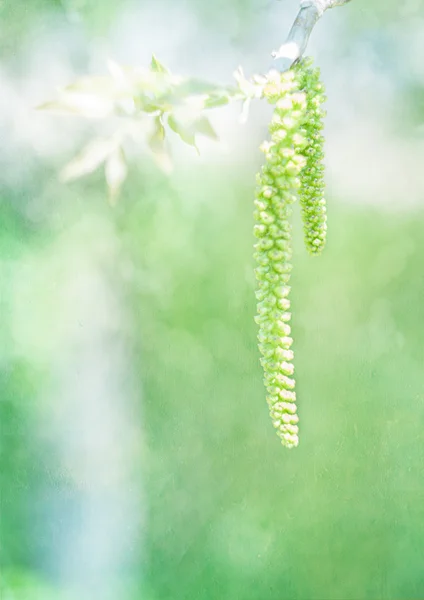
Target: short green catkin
(311, 193)
(290, 156)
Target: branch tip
(309, 14)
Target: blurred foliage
(152, 102)
(230, 514)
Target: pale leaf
(203, 126)
(215, 100)
(183, 130)
(157, 138)
(250, 89)
(84, 105)
(89, 159)
(156, 142)
(116, 171)
(116, 71)
(93, 85)
(244, 115)
(188, 128)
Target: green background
(137, 458)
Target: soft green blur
(150, 304)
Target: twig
(310, 12)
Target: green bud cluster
(292, 167)
(311, 193)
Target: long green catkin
(287, 161)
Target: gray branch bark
(294, 47)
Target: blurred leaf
(199, 87)
(187, 129)
(97, 85)
(116, 172)
(117, 71)
(250, 88)
(89, 159)
(83, 105)
(156, 142)
(57, 106)
(145, 103)
(203, 127)
(214, 101)
(157, 66)
(184, 131)
(244, 115)
(157, 138)
(205, 94)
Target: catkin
(292, 167)
(311, 193)
(278, 183)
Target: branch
(292, 50)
